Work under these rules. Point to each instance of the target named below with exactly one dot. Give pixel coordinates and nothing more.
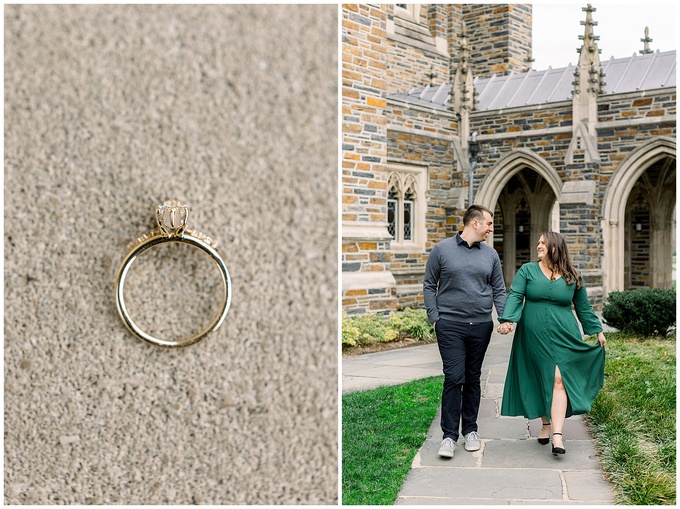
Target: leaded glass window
(404, 222)
(392, 206)
(408, 217)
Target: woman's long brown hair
(558, 259)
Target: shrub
(366, 329)
(412, 323)
(643, 312)
(350, 332)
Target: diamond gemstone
(172, 218)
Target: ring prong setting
(172, 218)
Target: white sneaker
(472, 441)
(447, 448)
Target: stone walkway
(511, 467)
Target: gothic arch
(410, 185)
(394, 183)
(614, 206)
(491, 187)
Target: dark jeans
(462, 347)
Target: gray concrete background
(109, 111)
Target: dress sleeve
(498, 286)
(514, 303)
(584, 311)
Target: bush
(412, 323)
(643, 312)
(364, 330)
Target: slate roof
(637, 72)
(431, 97)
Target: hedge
(643, 312)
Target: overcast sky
(557, 26)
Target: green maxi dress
(548, 335)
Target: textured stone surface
(109, 111)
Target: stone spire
(588, 85)
(646, 50)
(462, 93)
(589, 78)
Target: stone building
(587, 150)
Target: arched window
(408, 218)
(409, 209)
(405, 208)
(392, 211)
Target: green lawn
(634, 418)
(382, 430)
(633, 421)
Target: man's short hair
(475, 212)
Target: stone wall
(431, 148)
(364, 154)
(364, 54)
(500, 35)
(417, 54)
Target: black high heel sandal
(558, 450)
(544, 441)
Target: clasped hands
(505, 328)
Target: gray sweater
(463, 282)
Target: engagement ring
(172, 227)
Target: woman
(552, 372)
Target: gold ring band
(172, 228)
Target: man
(463, 280)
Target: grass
(634, 418)
(382, 430)
(633, 421)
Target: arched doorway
(639, 220)
(523, 212)
(523, 191)
(650, 210)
